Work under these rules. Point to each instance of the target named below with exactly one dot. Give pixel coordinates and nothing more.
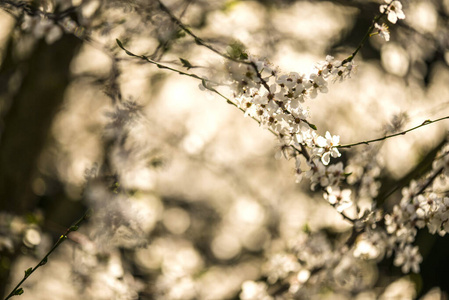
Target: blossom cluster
(309, 261)
(393, 11)
(365, 168)
(275, 99)
(424, 203)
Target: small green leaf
(237, 50)
(43, 262)
(312, 126)
(185, 63)
(198, 41)
(179, 34)
(230, 4)
(28, 272)
(18, 292)
(203, 82)
(119, 43)
(306, 228)
(74, 228)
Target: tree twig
(367, 35)
(197, 39)
(17, 289)
(426, 122)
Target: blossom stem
(17, 289)
(426, 122)
(430, 180)
(201, 42)
(421, 168)
(346, 217)
(365, 37)
(159, 65)
(197, 39)
(303, 151)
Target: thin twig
(203, 80)
(430, 180)
(18, 290)
(426, 122)
(34, 11)
(367, 35)
(201, 42)
(197, 39)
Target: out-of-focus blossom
(340, 199)
(42, 27)
(408, 259)
(252, 290)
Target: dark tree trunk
(26, 124)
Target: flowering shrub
(141, 237)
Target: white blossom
(328, 147)
(252, 290)
(383, 31)
(393, 10)
(340, 199)
(280, 266)
(408, 258)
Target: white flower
(408, 258)
(298, 170)
(288, 81)
(280, 266)
(252, 290)
(409, 192)
(342, 72)
(340, 199)
(335, 173)
(318, 84)
(434, 224)
(326, 67)
(317, 174)
(297, 123)
(327, 146)
(442, 162)
(405, 235)
(383, 31)
(394, 220)
(393, 10)
(367, 248)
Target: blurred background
(190, 198)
